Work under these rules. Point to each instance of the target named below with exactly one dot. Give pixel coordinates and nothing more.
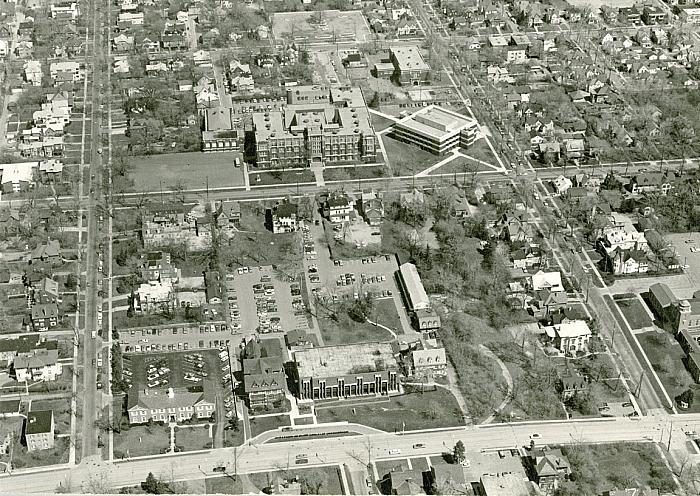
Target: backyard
(411, 411)
(170, 172)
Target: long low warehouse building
(412, 288)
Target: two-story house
(37, 365)
(171, 405)
(569, 337)
(338, 208)
(44, 316)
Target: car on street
(394, 451)
(535, 436)
(418, 446)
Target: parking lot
(261, 299)
(176, 370)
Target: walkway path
(393, 334)
(382, 114)
(506, 376)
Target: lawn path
(506, 376)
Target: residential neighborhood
(358, 247)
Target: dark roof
(38, 422)
(663, 294)
(269, 365)
(27, 343)
(286, 209)
(264, 382)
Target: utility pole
(639, 386)
(670, 434)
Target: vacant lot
(634, 312)
(328, 477)
(410, 411)
(332, 25)
(21, 458)
(141, 440)
(189, 170)
(596, 468)
(61, 412)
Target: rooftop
(409, 58)
(39, 422)
(344, 360)
(436, 122)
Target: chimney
(171, 393)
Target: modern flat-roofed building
(409, 66)
(348, 370)
(690, 14)
(436, 130)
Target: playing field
(193, 169)
(321, 26)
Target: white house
(339, 208)
(561, 184)
(545, 280)
(33, 72)
(569, 337)
(37, 365)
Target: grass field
(344, 330)
(406, 159)
(192, 169)
(380, 123)
(281, 177)
(193, 438)
(21, 458)
(635, 313)
(329, 477)
(263, 424)
(141, 440)
(417, 410)
(354, 173)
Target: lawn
(230, 485)
(635, 313)
(407, 159)
(379, 123)
(668, 360)
(328, 477)
(410, 411)
(344, 330)
(193, 438)
(596, 468)
(61, 412)
(264, 424)
(463, 168)
(21, 458)
(191, 170)
(141, 440)
(354, 173)
(281, 177)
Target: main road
(366, 448)
(92, 300)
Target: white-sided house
(429, 361)
(569, 337)
(37, 365)
(545, 280)
(561, 184)
(339, 207)
(170, 405)
(57, 69)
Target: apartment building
(39, 430)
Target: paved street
(342, 450)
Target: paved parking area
(265, 301)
